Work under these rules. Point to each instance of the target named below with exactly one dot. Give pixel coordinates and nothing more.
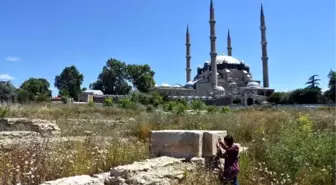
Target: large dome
(220, 59)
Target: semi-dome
(189, 84)
(165, 85)
(219, 88)
(220, 59)
(177, 85)
(253, 85)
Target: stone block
(210, 139)
(176, 143)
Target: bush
(65, 99)
(108, 102)
(169, 106)
(156, 99)
(4, 111)
(125, 103)
(211, 109)
(225, 109)
(197, 105)
(180, 109)
(149, 108)
(91, 103)
(278, 98)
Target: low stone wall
(185, 143)
(43, 127)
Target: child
(229, 152)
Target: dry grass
(39, 162)
(286, 146)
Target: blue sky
(39, 38)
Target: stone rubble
(156, 171)
(45, 128)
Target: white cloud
(13, 59)
(6, 77)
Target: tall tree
(141, 76)
(69, 82)
(331, 93)
(36, 89)
(7, 91)
(113, 78)
(313, 82)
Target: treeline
(312, 94)
(116, 77)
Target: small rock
(88, 133)
(198, 161)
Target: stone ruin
(13, 130)
(173, 153)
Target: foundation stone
(210, 139)
(176, 143)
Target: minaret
(188, 56)
(213, 53)
(264, 57)
(229, 48)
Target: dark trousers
(233, 181)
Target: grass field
(286, 145)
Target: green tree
(7, 91)
(113, 78)
(305, 96)
(278, 98)
(141, 76)
(330, 94)
(69, 82)
(35, 89)
(313, 82)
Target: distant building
(223, 78)
(88, 95)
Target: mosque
(224, 79)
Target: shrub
(225, 109)
(197, 105)
(108, 102)
(125, 103)
(65, 99)
(211, 109)
(278, 98)
(4, 111)
(169, 106)
(91, 103)
(180, 109)
(149, 108)
(156, 99)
